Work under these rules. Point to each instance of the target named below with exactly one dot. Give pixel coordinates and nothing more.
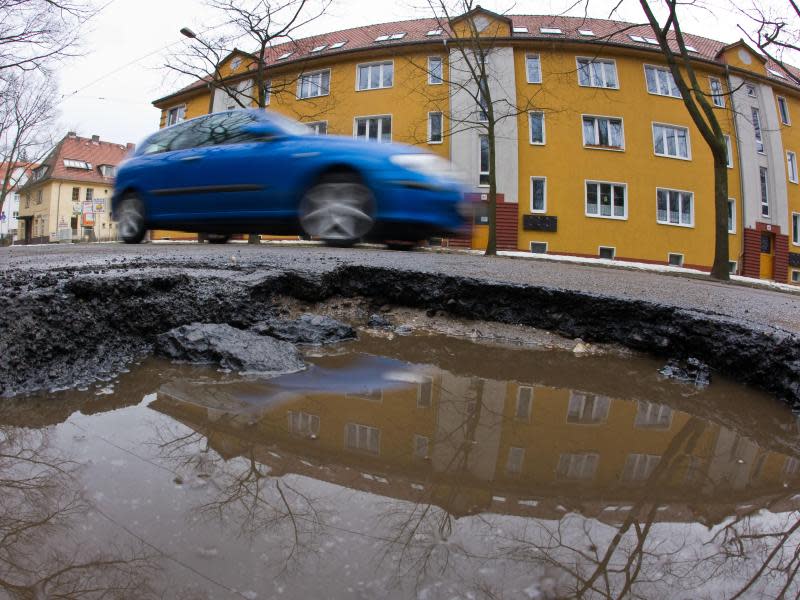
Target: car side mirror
(262, 130)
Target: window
(435, 70)
(520, 30)
(515, 458)
(577, 467)
(398, 36)
(39, 196)
(433, 32)
(425, 393)
(267, 91)
(381, 38)
(606, 252)
(674, 207)
(316, 49)
(89, 194)
(524, 403)
(593, 72)
(435, 134)
(674, 259)
(750, 90)
(795, 276)
(766, 243)
(538, 194)
(77, 164)
(587, 409)
(783, 110)
(362, 437)
(603, 132)
(533, 68)
(606, 200)
(762, 175)
(586, 32)
(757, 130)
(318, 127)
(176, 115)
(729, 150)
(796, 229)
(539, 247)
(636, 38)
(483, 176)
(671, 141)
(421, 446)
(639, 467)
(717, 94)
(550, 30)
(108, 170)
(731, 215)
(376, 129)
(338, 45)
(76, 194)
(536, 126)
(374, 76)
(661, 82)
(373, 394)
(791, 165)
(302, 423)
(652, 414)
(313, 85)
(732, 267)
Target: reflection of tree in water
(41, 507)
(243, 492)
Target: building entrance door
(767, 256)
(480, 225)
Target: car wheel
(339, 210)
(131, 224)
(217, 238)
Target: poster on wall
(88, 206)
(99, 206)
(88, 219)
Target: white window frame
(763, 191)
(315, 126)
(307, 78)
(596, 131)
(441, 127)
(791, 166)
(750, 90)
(717, 99)
(600, 408)
(732, 228)
(420, 403)
(624, 217)
(664, 154)
(545, 244)
(675, 254)
(358, 448)
(382, 63)
(175, 108)
(380, 127)
(658, 82)
(431, 78)
(597, 60)
(690, 224)
(755, 115)
(795, 276)
(530, 128)
(538, 58)
(729, 147)
(544, 194)
(783, 103)
(488, 160)
(530, 403)
(795, 230)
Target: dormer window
(550, 30)
(39, 173)
(520, 30)
(397, 36)
(338, 45)
(318, 48)
(108, 170)
(77, 164)
(433, 32)
(586, 32)
(285, 55)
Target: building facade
(17, 174)
(67, 198)
(596, 154)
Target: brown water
(421, 466)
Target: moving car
(254, 171)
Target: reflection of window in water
(651, 414)
(421, 445)
(578, 467)
(362, 437)
(425, 393)
(515, 458)
(758, 466)
(367, 393)
(524, 402)
(302, 423)
(638, 467)
(694, 470)
(587, 408)
(738, 448)
(791, 467)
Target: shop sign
(88, 219)
(100, 206)
(88, 206)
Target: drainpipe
(739, 155)
(58, 209)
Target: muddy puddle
(420, 466)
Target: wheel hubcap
(337, 211)
(131, 221)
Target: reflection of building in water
(473, 445)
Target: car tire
(217, 238)
(339, 209)
(131, 220)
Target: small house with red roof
(67, 196)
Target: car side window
(228, 128)
(161, 141)
(194, 133)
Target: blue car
(253, 171)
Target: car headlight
(427, 164)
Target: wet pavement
(401, 466)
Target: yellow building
(68, 196)
(597, 155)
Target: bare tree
(776, 34)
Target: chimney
(130, 146)
(71, 134)
(95, 138)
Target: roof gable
(481, 21)
(742, 56)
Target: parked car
(254, 171)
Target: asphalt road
(760, 307)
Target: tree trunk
(720, 269)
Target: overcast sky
(108, 91)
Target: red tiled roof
(605, 31)
(94, 152)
